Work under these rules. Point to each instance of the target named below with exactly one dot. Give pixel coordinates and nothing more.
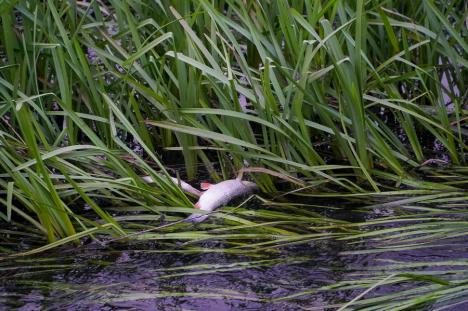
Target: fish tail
(196, 218)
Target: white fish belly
(221, 194)
(218, 195)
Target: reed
(354, 98)
(349, 95)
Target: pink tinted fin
(197, 205)
(205, 185)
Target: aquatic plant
(354, 98)
(349, 95)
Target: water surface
(223, 273)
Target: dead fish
(185, 186)
(220, 194)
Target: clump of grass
(348, 96)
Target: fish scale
(220, 194)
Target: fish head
(251, 185)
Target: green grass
(171, 76)
(347, 96)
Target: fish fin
(205, 185)
(196, 218)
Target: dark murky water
(138, 276)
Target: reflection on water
(138, 276)
(143, 280)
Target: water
(136, 278)
(224, 273)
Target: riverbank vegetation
(362, 100)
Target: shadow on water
(316, 271)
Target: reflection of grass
(345, 95)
